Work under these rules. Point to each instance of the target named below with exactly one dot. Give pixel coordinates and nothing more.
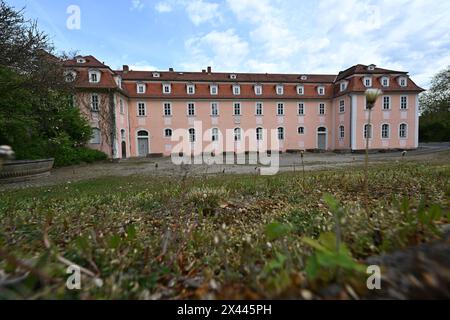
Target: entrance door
(124, 150)
(322, 138)
(142, 140)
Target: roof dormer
(80, 60)
(233, 76)
(367, 81)
(94, 76)
(156, 75)
(371, 67)
(402, 81)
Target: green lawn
(217, 237)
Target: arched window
(192, 135)
(259, 133)
(341, 132)
(168, 132)
(280, 133)
(322, 129)
(214, 134)
(301, 130)
(142, 133)
(385, 131)
(96, 136)
(403, 130)
(367, 131)
(122, 134)
(237, 134)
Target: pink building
(136, 113)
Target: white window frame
(188, 109)
(369, 80)
(216, 113)
(371, 130)
(388, 131)
(341, 132)
(343, 86)
(257, 108)
(234, 109)
(141, 85)
(97, 74)
(400, 130)
(301, 90)
(406, 102)
(138, 107)
(387, 81)
(95, 106)
(279, 89)
(236, 89)
(301, 107)
(258, 90)
(167, 85)
(237, 134)
(211, 91)
(192, 135)
(280, 104)
(384, 103)
(303, 129)
(282, 133)
(165, 133)
(342, 106)
(400, 82)
(321, 90)
(169, 105)
(215, 134)
(259, 134)
(189, 87)
(98, 137)
(320, 109)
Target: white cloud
(137, 5)
(142, 66)
(163, 7)
(200, 11)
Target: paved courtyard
(288, 162)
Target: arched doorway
(142, 143)
(322, 138)
(123, 144)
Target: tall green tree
(435, 109)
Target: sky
(298, 36)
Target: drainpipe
(112, 106)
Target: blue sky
(315, 36)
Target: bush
(71, 156)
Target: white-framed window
(321, 90)
(385, 81)
(404, 102)
(402, 81)
(367, 82)
(214, 109)
(259, 108)
(386, 102)
(280, 131)
(341, 132)
(385, 131)
(280, 89)
(142, 110)
(140, 88)
(81, 60)
(167, 88)
(191, 135)
(122, 134)
(167, 132)
(155, 74)
(367, 131)
(301, 108)
(214, 134)
(343, 86)
(121, 108)
(167, 109)
(70, 75)
(280, 109)
(237, 108)
(259, 134)
(258, 89)
(321, 108)
(96, 136)
(236, 90)
(213, 89)
(237, 134)
(403, 131)
(301, 130)
(191, 109)
(95, 102)
(233, 76)
(300, 90)
(94, 76)
(341, 106)
(190, 89)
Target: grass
(215, 237)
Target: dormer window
(402, 82)
(190, 89)
(280, 89)
(300, 90)
(214, 89)
(140, 88)
(343, 86)
(156, 75)
(371, 67)
(167, 88)
(119, 82)
(367, 82)
(94, 76)
(70, 75)
(303, 78)
(258, 89)
(385, 81)
(233, 76)
(81, 60)
(236, 90)
(321, 90)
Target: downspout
(112, 106)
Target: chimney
(209, 69)
(171, 69)
(203, 71)
(125, 68)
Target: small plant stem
(366, 161)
